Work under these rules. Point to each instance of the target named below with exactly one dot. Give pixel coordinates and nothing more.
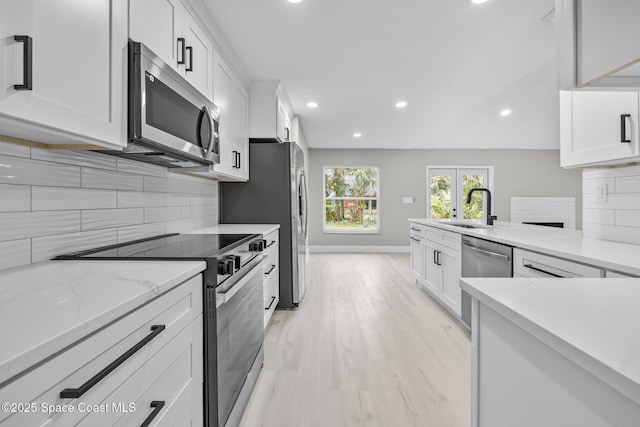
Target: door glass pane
(440, 196)
(475, 209)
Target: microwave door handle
(207, 112)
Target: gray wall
(524, 173)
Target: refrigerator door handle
(302, 202)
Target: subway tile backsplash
(58, 201)
(611, 204)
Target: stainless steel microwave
(170, 123)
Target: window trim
(325, 198)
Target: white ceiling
(455, 63)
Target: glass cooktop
(167, 247)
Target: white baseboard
(327, 248)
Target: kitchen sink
(467, 225)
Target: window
(447, 189)
(351, 199)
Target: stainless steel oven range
(233, 310)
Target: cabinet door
(222, 81)
(604, 34)
(199, 56)
(79, 52)
(432, 272)
(240, 130)
(593, 126)
(451, 271)
(416, 257)
(158, 25)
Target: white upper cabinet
(233, 102)
(597, 43)
(598, 127)
(75, 56)
(270, 111)
(171, 32)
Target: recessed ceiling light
(401, 104)
(312, 104)
(472, 1)
(357, 135)
(505, 113)
(294, 1)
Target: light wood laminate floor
(366, 347)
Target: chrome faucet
(490, 217)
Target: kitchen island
(554, 352)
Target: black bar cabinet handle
(74, 393)
(286, 134)
(623, 127)
(435, 257)
(157, 406)
(438, 258)
(27, 62)
(190, 66)
(271, 303)
(270, 270)
(273, 242)
(182, 44)
(238, 156)
(531, 267)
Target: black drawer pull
(74, 393)
(273, 242)
(539, 270)
(270, 270)
(27, 62)
(271, 303)
(623, 127)
(157, 406)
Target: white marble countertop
(558, 242)
(47, 306)
(237, 228)
(593, 322)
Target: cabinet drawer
(271, 294)
(272, 239)
(615, 275)
(416, 230)
(174, 309)
(531, 264)
(446, 238)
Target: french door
(447, 189)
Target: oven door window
(171, 113)
(240, 334)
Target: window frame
(458, 168)
(325, 198)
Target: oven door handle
(225, 297)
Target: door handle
(190, 66)
(182, 45)
(623, 128)
(438, 258)
(27, 63)
(212, 135)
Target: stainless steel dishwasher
(482, 258)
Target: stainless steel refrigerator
(276, 193)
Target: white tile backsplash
(17, 170)
(544, 209)
(611, 204)
(15, 198)
(59, 201)
(15, 253)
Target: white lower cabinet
(94, 382)
(416, 251)
(271, 275)
(533, 264)
(440, 261)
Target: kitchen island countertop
(558, 242)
